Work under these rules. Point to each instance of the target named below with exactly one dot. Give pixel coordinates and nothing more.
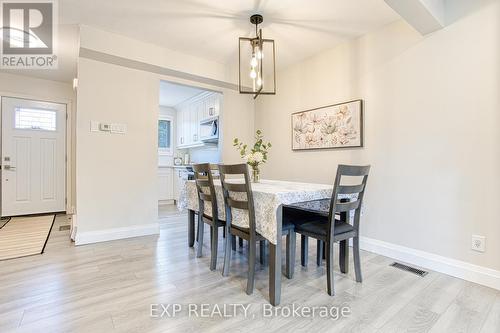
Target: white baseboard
(90, 237)
(460, 269)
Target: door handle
(8, 167)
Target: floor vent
(410, 269)
(64, 227)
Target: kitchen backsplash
(205, 154)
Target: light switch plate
(94, 126)
(118, 128)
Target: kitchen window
(165, 135)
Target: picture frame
(336, 126)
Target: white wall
(38, 88)
(431, 127)
(116, 175)
(110, 43)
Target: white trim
(460, 269)
(90, 237)
(166, 202)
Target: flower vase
(255, 174)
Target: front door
(33, 157)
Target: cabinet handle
(182, 140)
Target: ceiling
(172, 94)
(210, 29)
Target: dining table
(270, 197)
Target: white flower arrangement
(257, 155)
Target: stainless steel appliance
(209, 130)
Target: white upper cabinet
(212, 106)
(180, 130)
(189, 115)
(194, 124)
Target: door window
(35, 119)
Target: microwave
(209, 130)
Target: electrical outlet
(478, 243)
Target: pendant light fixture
(257, 68)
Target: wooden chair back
(228, 188)
(339, 204)
(204, 179)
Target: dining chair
(238, 195)
(204, 179)
(320, 245)
(330, 231)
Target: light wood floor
(108, 287)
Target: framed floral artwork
(333, 126)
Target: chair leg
(290, 253)
(344, 256)
(224, 232)
(201, 225)
(357, 260)
(324, 252)
(214, 247)
(198, 217)
(240, 242)
(304, 250)
(262, 253)
(252, 249)
(329, 268)
(319, 252)
(227, 254)
(211, 237)
(233, 243)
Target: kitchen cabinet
(212, 106)
(181, 129)
(189, 115)
(194, 126)
(165, 183)
(180, 179)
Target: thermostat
(105, 127)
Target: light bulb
(253, 62)
(253, 74)
(259, 54)
(259, 82)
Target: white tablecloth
(268, 195)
